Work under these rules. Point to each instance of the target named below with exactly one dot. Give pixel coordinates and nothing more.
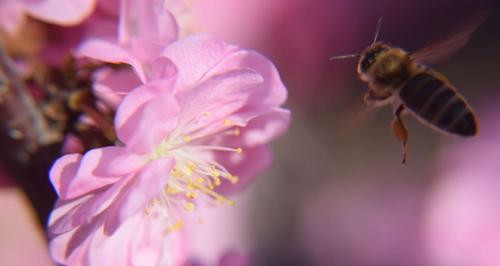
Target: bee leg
(400, 131)
(371, 98)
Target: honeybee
(403, 80)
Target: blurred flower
(20, 231)
(145, 30)
(368, 221)
(463, 214)
(61, 12)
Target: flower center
(196, 173)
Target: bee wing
(447, 46)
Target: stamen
(174, 227)
(206, 114)
(227, 122)
(189, 206)
(217, 148)
(190, 195)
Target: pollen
(227, 122)
(233, 179)
(190, 195)
(186, 138)
(206, 114)
(189, 206)
(170, 190)
(174, 227)
(238, 150)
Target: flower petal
(11, 16)
(258, 130)
(111, 53)
(70, 214)
(147, 21)
(195, 55)
(145, 118)
(245, 165)
(63, 170)
(148, 184)
(272, 92)
(112, 85)
(61, 12)
(215, 99)
(74, 176)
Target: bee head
(369, 55)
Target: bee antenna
(377, 30)
(343, 56)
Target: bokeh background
(337, 193)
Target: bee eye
(367, 61)
(369, 58)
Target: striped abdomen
(437, 103)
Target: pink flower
(146, 27)
(188, 134)
(61, 12)
(462, 219)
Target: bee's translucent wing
(447, 46)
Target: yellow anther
(233, 179)
(190, 195)
(213, 171)
(239, 150)
(187, 170)
(175, 227)
(207, 114)
(171, 190)
(227, 122)
(217, 181)
(200, 180)
(186, 138)
(176, 173)
(189, 206)
(192, 166)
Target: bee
(404, 81)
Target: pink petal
(163, 68)
(145, 118)
(59, 252)
(62, 12)
(70, 214)
(195, 55)
(63, 170)
(219, 96)
(148, 184)
(246, 165)
(272, 92)
(112, 85)
(259, 129)
(111, 53)
(11, 16)
(98, 168)
(148, 24)
(116, 161)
